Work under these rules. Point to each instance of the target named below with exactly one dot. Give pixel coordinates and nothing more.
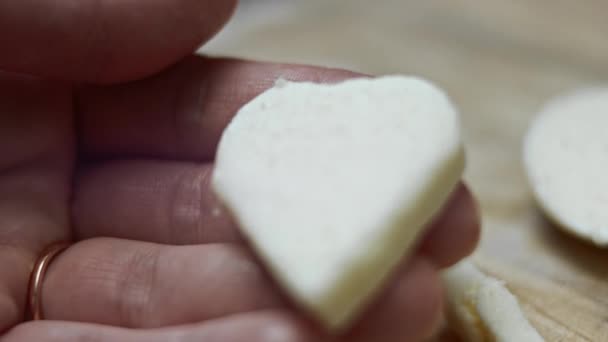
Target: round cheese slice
(566, 160)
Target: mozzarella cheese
(332, 184)
(481, 309)
(566, 160)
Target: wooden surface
(499, 61)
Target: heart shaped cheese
(333, 184)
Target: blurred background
(499, 61)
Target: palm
(122, 171)
(138, 188)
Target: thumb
(103, 41)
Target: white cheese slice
(333, 184)
(566, 159)
(481, 309)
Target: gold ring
(35, 285)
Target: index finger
(180, 114)
(104, 41)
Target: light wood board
(499, 61)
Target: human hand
(122, 170)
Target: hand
(122, 170)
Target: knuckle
(188, 205)
(190, 108)
(135, 291)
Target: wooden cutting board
(499, 61)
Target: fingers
(172, 203)
(164, 202)
(267, 326)
(35, 163)
(143, 285)
(181, 113)
(410, 310)
(455, 233)
(104, 40)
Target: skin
(107, 139)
